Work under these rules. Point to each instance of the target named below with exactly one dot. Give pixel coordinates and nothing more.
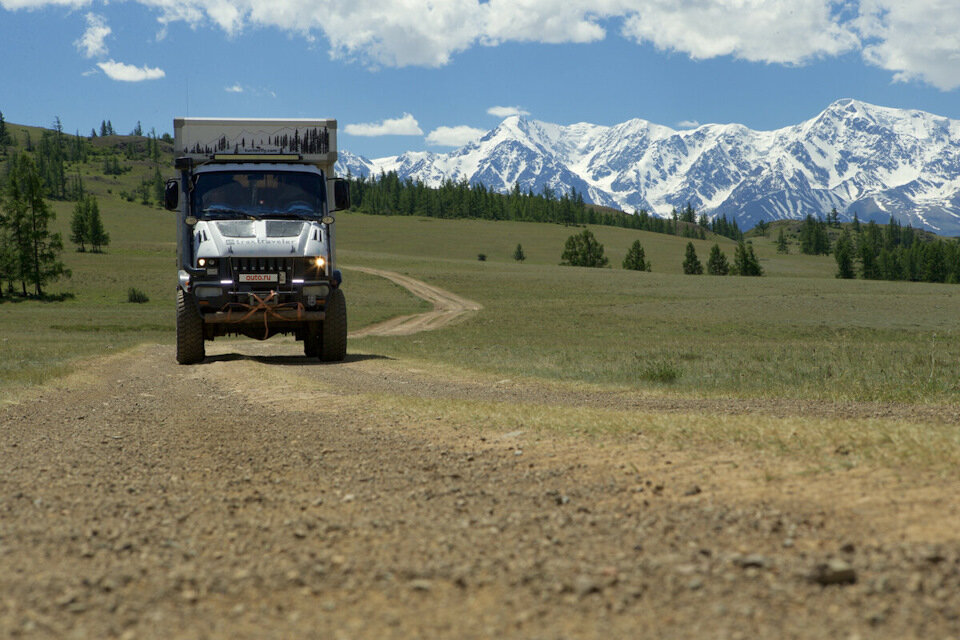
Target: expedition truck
(255, 233)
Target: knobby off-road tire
(333, 332)
(311, 340)
(189, 329)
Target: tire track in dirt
(447, 308)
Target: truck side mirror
(171, 195)
(341, 194)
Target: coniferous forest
(387, 194)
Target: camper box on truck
(256, 251)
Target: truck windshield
(259, 194)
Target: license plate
(258, 277)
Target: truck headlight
(320, 262)
(207, 262)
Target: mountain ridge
(863, 159)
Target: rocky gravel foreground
(147, 500)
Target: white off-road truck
(255, 233)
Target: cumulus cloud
(130, 73)
(506, 112)
(919, 40)
(454, 136)
(93, 41)
(405, 125)
(915, 40)
(780, 31)
(236, 88)
(688, 124)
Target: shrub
(137, 296)
(661, 371)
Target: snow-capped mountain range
(860, 158)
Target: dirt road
(447, 308)
(265, 495)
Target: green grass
(798, 332)
(43, 340)
(801, 336)
(543, 243)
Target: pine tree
(782, 246)
(138, 130)
(763, 227)
(518, 254)
(868, 259)
(14, 230)
(814, 239)
(583, 250)
(717, 264)
(96, 234)
(856, 223)
(79, 225)
(4, 135)
(636, 259)
(889, 264)
(745, 262)
(844, 255)
(833, 218)
(934, 263)
(38, 248)
(692, 264)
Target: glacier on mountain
(860, 158)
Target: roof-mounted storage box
(311, 141)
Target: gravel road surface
(264, 495)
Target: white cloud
(454, 136)
(93, 41)
(917, 40)
(780, 31)
(236, 88)
(130, 73)
(405, 125)
(688, 124)
(506, 112)
(391, 33)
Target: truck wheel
(189, 329)
(333, 331)
(311, 340)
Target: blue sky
(410, 75)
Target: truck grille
(282, 268)
(261, 265)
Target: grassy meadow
(796, 333)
